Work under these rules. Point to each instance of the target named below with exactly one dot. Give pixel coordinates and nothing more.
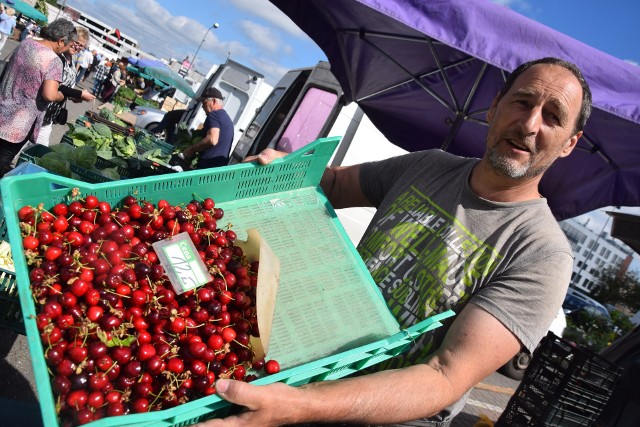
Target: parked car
(576, 301)
(148, 118)
(516, 367)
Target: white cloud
(272, 70)
(271, 14)
(162, 34)
(265, 37)
(521, 5)
(632, 62)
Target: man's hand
(263, 404)
(265, 157)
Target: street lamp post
(215, 25)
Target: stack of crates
(565, 385)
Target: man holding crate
(475, 235)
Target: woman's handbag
(61, 117)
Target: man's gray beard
(504, 167)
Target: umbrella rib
(445, 78)
(595, 149)
(421, 76)
(474, 88)
(362, 34)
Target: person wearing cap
(215, 147)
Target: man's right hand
(265, 157)
(265, 405)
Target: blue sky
(257, 34)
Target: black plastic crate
(564, 385)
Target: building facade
(104, 38)
(593, 252)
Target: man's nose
(531, 120)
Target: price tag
(180, 260)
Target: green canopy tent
(26, 9)
(170, 77)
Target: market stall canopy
(146, 62)
(26, 9)
(425, 73)
(170, 77)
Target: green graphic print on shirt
(424, 262)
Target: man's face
(533, 123)
(207, 105)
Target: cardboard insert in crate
(330, 318)
(564, 385)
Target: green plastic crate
(321, 273)
(102, 163)
(146, 141)
(35, 152)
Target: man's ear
(492, 108)
(571, 144)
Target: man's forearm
(386, 397)
(198, 147)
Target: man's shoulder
(437, 157)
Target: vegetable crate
(35, 152)
(565, 385)
(146, 141)
(93, 117)
(330, 318)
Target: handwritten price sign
(182, 263)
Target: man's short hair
(585, 107)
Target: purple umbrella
(425, 72)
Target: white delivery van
(307, 104)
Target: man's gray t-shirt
(434, 245)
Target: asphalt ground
(18, 396)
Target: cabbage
(102, 130)
(85, 157)
(111, 173)
(56, 163)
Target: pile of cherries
(117, 338)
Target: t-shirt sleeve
(54, 70)
(527, 296)
(377, 178)
(212, 121)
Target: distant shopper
(94, 63)
(85, 58)
(30, 82)
(117, 79)
(7, 24)
(99, 77)
(215, 147)
(27, 31)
